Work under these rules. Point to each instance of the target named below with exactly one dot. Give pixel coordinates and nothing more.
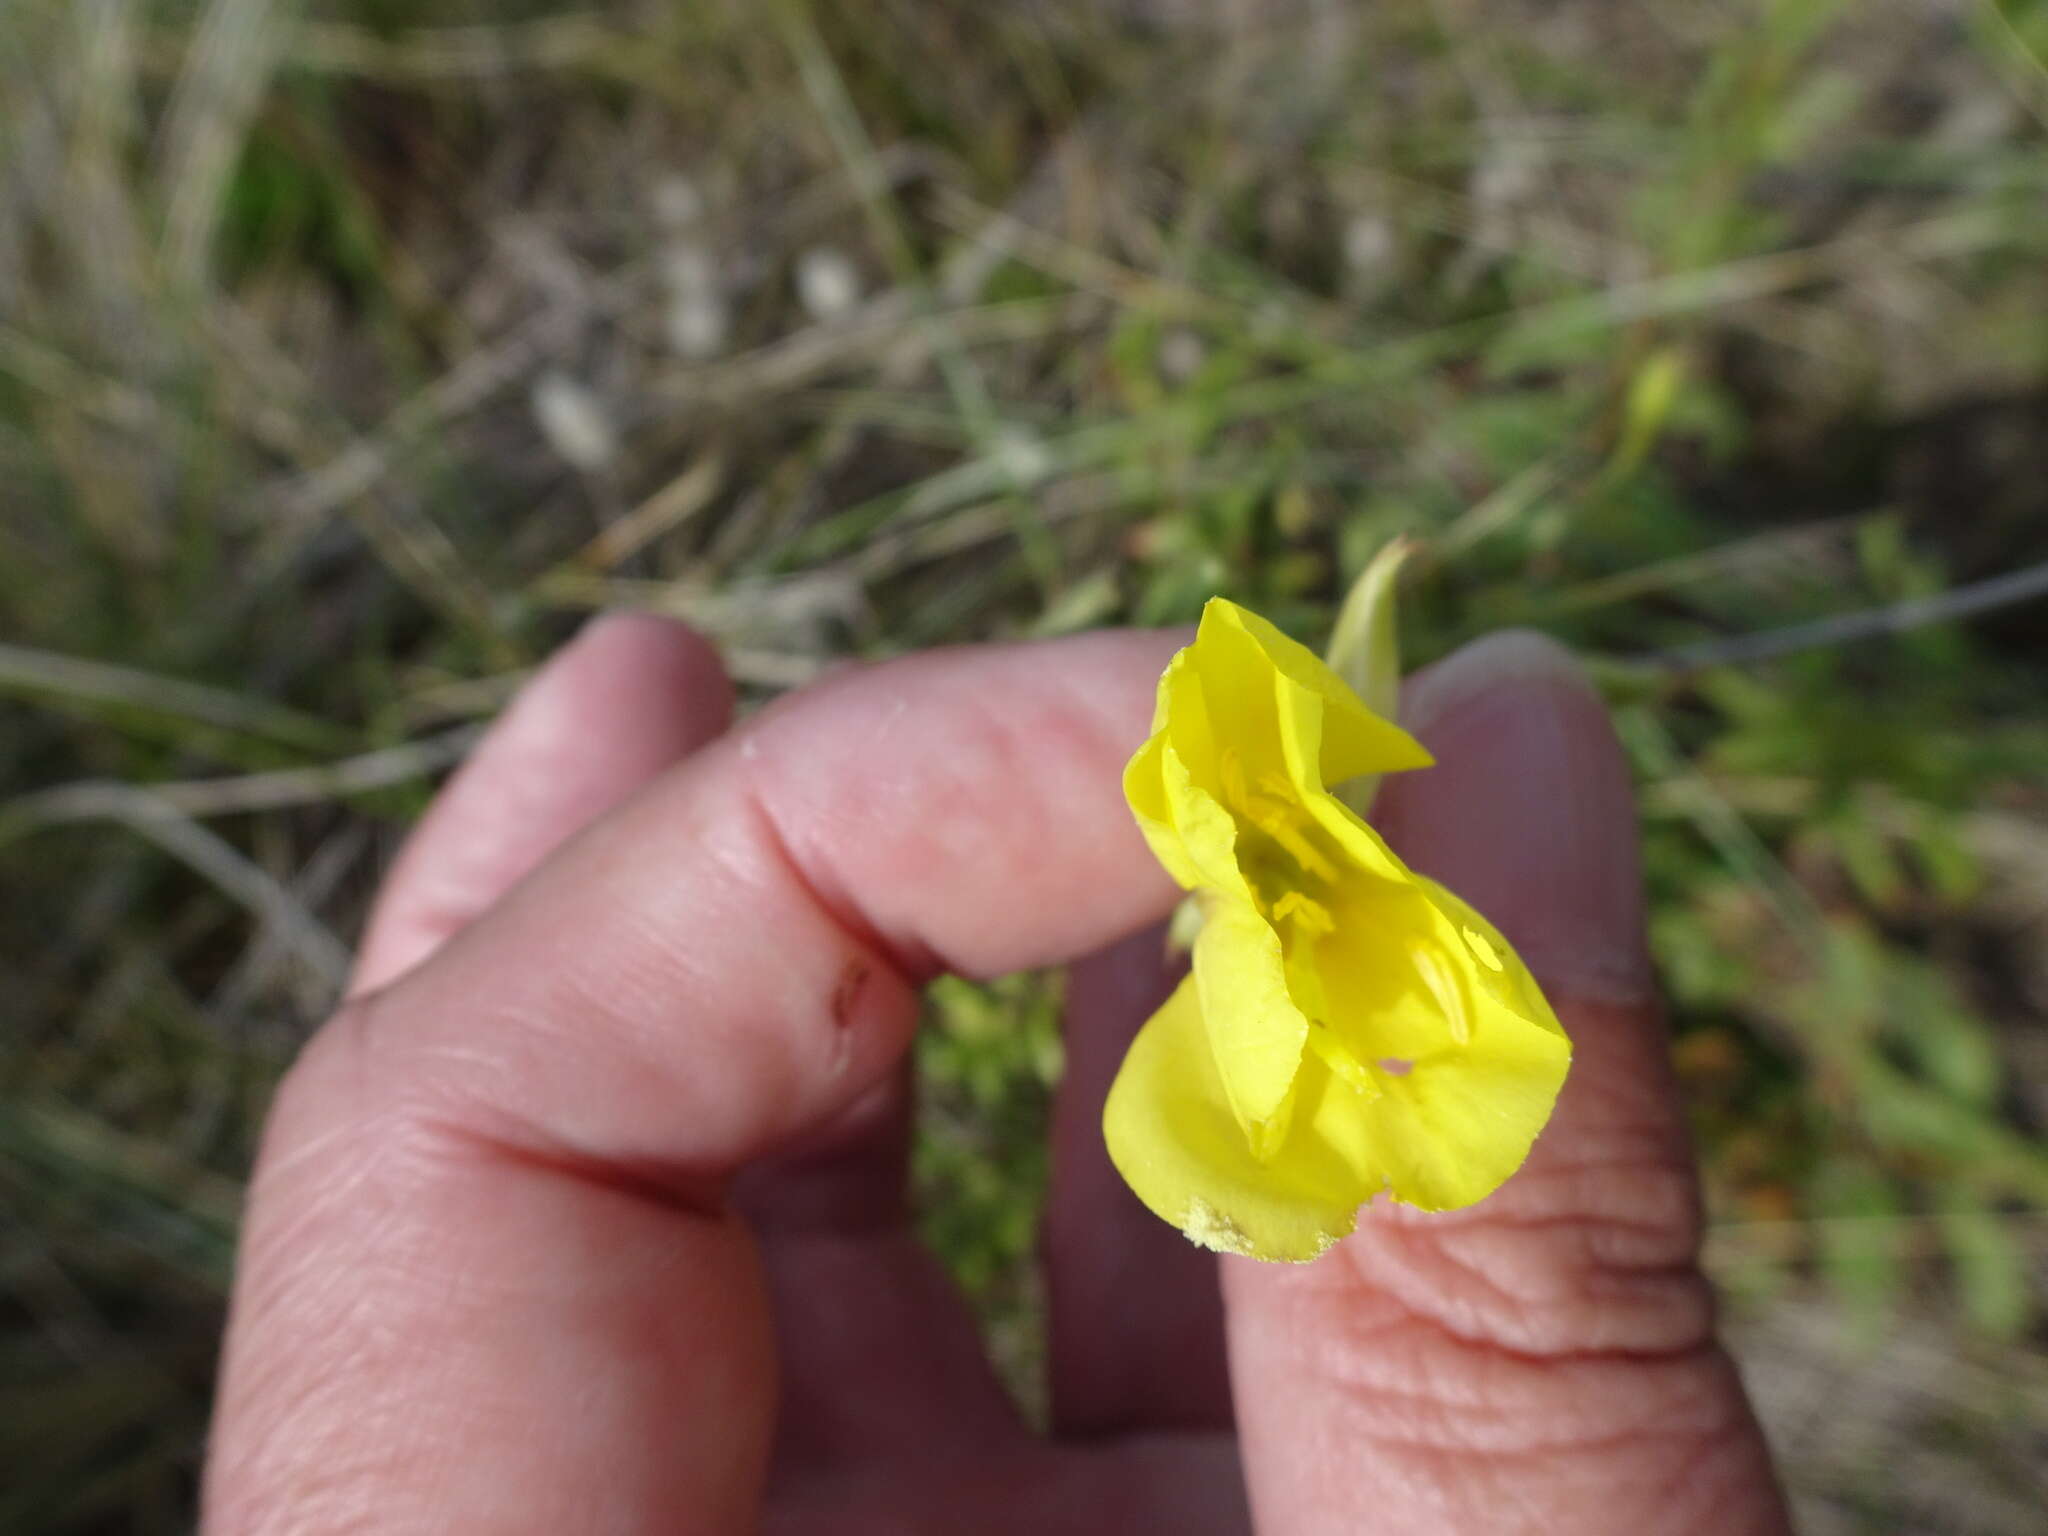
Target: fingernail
(1530, 811)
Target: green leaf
(1858, 1223)
(1990, 1270)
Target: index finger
(487, 1278)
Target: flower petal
(1354, 739)
(1357, 837)
(1145, 789)
(1426, 991)
(1173, 1136)
(1206, 831)
(1255, 1031)
(1498, 971)
(1449, 1132)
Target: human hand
(587, 1212)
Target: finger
(878, 1349)
(488, 1278)
(630, 695)
(1135, 1316)
(1545, 1360)
(884, 1377)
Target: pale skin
(587, 1211)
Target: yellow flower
(1349, 1027)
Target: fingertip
(1503, 660)
(630, 695)
(651, 658)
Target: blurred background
(353, 351)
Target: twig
(660, 514)
(457, 52)
(49, 372)
(27, 670)
(312, 883)
(107, 799)
(1760, 554)
(217, 860)
(1842, 629)
(227, 69)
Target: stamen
(1285, 830)
(1290, 826)
(1273, 807)
(1442, 980)
(1308, 914)
(1479, 945)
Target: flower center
(1293, 867)
(1280, 848)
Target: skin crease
(587, 1212)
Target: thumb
(1544, 1360)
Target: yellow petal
(1354, 739)
(1145, 789)
(1173, 781)
(1173, 1136)
(1471, 1058)
(1358, 838)
(1230, 709)
(1255, 1029)
(1499, 971)
(1449, 1132)
(1207, 832)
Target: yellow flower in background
(1349, 1026)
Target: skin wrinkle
(1424, 1336)
(1396, 1360)
(803, 846)
(693, 1193)
(1536, 1242)
(1563, 1309)
(937, 810)
(632, 1008)
(905, 959)
(1526, 1481)
(1505, 1446)
(1542, 1304)
(457, 1106)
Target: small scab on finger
(853, 980)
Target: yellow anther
(1308, 913)
(1442, 980)
(1480, 946)
(1274, 807)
